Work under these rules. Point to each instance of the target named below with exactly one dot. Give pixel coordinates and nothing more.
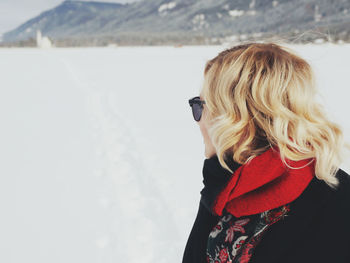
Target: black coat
(316, 230)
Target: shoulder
(344, 182)
(322, 205)
(319, 193)
(339, 199)
(318, 220)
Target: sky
(15, 12)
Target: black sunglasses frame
(196, 110)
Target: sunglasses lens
(196, 111)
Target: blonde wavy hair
(260, 95)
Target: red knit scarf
(264, 183)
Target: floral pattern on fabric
(232, 240)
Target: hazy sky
(15, 12)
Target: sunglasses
(197, 107)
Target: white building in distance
(42, 42)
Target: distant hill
(186, 21)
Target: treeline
(179, 38)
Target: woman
(273, 190)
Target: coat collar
(215, 177)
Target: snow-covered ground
(101, 159)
